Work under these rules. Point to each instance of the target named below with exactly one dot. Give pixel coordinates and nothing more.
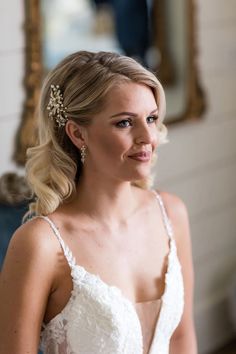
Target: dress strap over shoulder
(67, 252)
(166, 219)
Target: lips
(142, 156)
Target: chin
(139, 175)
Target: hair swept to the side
(53, 166)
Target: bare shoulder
(35, 233)
(175, 206)
(32, 242)
(177, 213)
(26, 282)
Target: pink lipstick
(143, 156)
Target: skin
(98, 227)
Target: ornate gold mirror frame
(26, 134)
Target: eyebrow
(130, 114)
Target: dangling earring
(83, 153)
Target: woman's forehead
(130, 94)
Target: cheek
(154, 139)
(110, 145)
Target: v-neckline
(148, 313)
(118, 291)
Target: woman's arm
(25, 284)
(183, 340)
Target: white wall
(11, 77)
(199, 164)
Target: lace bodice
(98, 318)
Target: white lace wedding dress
(98, 318)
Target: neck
(107, 201)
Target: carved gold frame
(26, 134)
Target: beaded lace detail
(98, 318)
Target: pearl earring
(83, 153)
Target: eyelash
(119, 124)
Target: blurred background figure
(132, 25)
(103, 18)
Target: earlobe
(75, 133)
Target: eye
(124, 123)
(152, 119)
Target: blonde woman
(105, 264)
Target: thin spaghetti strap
(67, 252)
(166, 219)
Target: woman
(101, 268)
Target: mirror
(164, 41)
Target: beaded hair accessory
(56, 108)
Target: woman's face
(125, 127)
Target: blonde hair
(53, 167)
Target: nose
(146, 135)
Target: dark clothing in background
(131, 25)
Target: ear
(76, 133)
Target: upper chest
(132, 256)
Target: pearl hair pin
(56, 108)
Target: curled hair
(53, 167)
